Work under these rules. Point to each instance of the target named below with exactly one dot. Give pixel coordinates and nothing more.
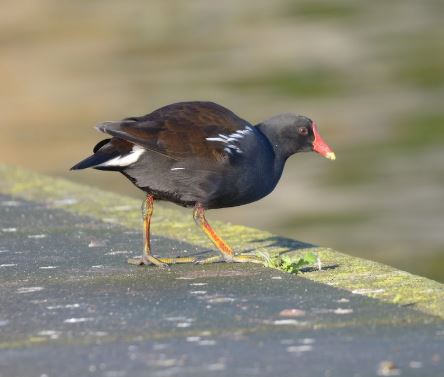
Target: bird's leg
(226, 251)
(201, 221)
(147, 258)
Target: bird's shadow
(287, 245)
(284, 245)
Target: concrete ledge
(356, 275)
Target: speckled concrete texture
(71, 306)
(356, 275)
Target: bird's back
(190, 152)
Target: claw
(136, 261)
(149, 260)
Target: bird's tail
(108, 155)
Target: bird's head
(291, 133)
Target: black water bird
(202, 155)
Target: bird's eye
(303, 131)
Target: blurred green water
(369, 73)
(312, 82)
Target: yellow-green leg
(147, 258)
(227, 254)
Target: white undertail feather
(127, 159)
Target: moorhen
(202, 155)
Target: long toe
(247, 259)
(136, 261)
(178, 260)
(230, 259)
(148, 260)
(209, 260)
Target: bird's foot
(230, 259)
(160, 262)
(149, 260)
(247, 259)
(209, 260)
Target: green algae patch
(379, 281)
(359, 276)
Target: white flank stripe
(238, 136)
(229, 140)
(177, 169)
(126, 160)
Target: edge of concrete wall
(357, 275)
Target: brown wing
(180, 130)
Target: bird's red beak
(320, 146)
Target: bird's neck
(280, 155)
(282, 148)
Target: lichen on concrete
(362, 277)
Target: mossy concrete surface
(71, 306)
(342, 271)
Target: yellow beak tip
(331, 156)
